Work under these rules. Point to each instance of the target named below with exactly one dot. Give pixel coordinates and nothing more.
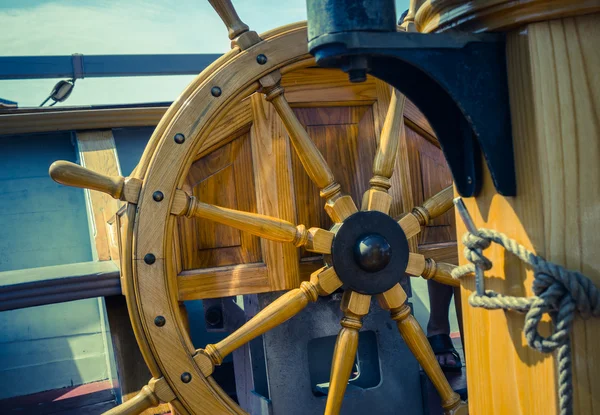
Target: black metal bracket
(457, 80)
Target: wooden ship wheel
(361, 247)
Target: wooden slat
(333, 128)
(223, 281)
(79, 119)
(222, 177)
(98, 153)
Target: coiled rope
(558, 292)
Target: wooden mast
(553, 61)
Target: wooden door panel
(346, 138)
(223, 177)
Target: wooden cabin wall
(44, 224)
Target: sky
(93, 27)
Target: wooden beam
(554, 97)
(28, 121)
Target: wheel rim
(181, 135)
(366, 244)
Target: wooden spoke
(151, 395)
(419, 266)
(322, 282)
(395, 301)
(315, 239)
(440, 272)
(428, 268)
(433, 207)
(238, 30)
(354, 306)
(338, 206)
(74, 175)
(377, 197)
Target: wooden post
(555, 104)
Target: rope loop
(558, 292)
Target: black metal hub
(370, 252)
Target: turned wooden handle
(443, 274)
(417, 342)
(342, 362)
(435, 206)
(227, 12)
(145, 399)
(311, 158)
(385, 158)
(71, 174)
(276, 313)
(440, 272)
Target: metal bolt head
(159, 321)
(158, 196)
(149, 259)
(261, 59)
(186, 377)
(215, 91)
(179, 138)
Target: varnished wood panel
(429, 175)
(271, 151)
(346, 138)
(97, 153)
(224, 178)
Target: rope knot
(558, 292)
(474, 244)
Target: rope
(558, 292)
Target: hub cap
(370, 252)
